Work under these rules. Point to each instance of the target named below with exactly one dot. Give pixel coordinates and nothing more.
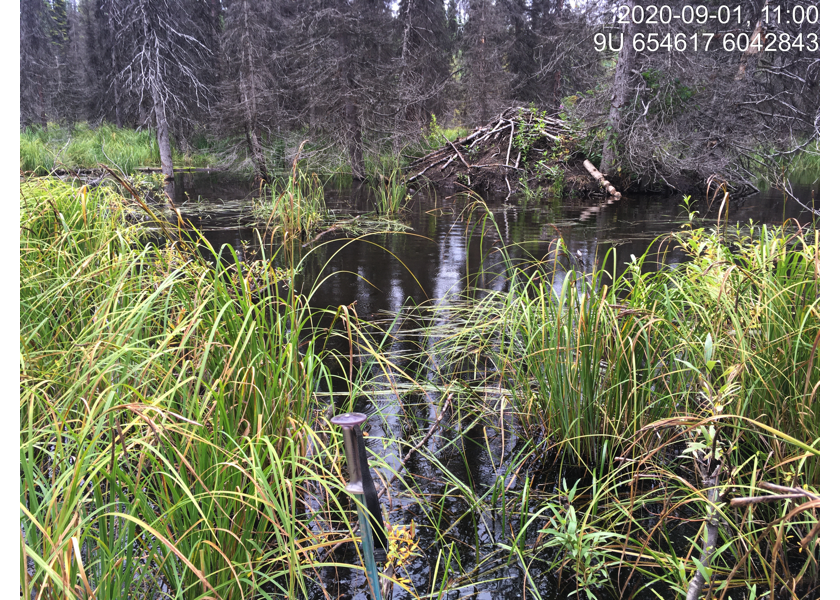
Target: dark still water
(468, 457)
(381, 272)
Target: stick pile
(519, 145)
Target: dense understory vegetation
(173, 441)
(660, 109)
(164, 409)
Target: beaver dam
(520, 148)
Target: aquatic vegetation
(708, 367)
(370, 224)
(296, 207)
(173, 438)
(167, 411)
(391, 193)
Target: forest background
(247, 80)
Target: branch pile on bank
(521, 147)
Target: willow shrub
(165, 408)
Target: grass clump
(434, 137)
(662, 394)
(588, 359)
(168, 414)
(296, 207)
(390, 193)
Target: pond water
(379, 274)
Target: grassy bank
(674, 391)
(56, 147)
(166, 414)
(43, 150)
(173, 440)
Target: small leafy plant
(581, 548)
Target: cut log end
(601, 179)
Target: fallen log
(437, 162)
(601, 179)
(181, 170)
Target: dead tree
(423, 67)
(341, 68)
(485, 81)
(35, 62)
(736, 115)
(164, 62)
(248, 90)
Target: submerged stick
(335, 227)
(421, 444)
(711, 535)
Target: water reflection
(446, 250)
(382, 272)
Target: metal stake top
(355, 451)
(348, 419)
(348, 422)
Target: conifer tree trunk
(117, 112)
(351, 109)
(399, 114)
(357, 162)
(620, 93)
(248, 95)
(249, 98)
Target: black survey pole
(380, 537)
(360, 484)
